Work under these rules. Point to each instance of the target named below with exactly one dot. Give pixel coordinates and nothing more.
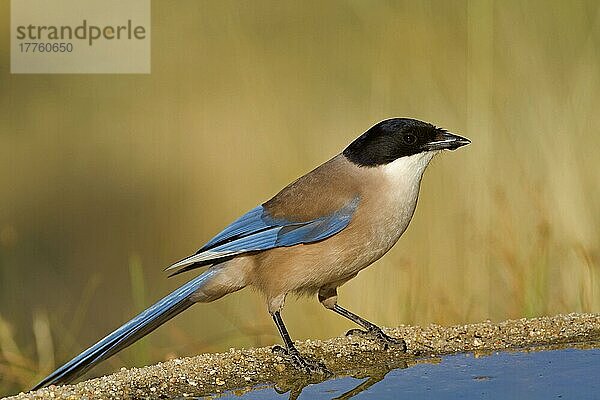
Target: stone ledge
(358, 356)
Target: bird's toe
(377, 333)
(303, 364)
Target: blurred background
(107, 179)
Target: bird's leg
(291, 352)
(370, 328)
(328, 297)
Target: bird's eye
(409, 138)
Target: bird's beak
(445, 141)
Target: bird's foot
(377, 333)
(305, 365)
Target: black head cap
(399, 137)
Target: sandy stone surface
(239, 370)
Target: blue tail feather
(128, 333)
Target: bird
(313, 236)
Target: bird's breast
(390, 216)
(387, 208)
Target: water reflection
(369, 377)
(563, 373)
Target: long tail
(130, 332)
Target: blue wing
(257, 230)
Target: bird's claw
(385, 340)
(305, 365)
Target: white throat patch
(409, 169)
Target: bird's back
(320, 192)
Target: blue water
(552, 374)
